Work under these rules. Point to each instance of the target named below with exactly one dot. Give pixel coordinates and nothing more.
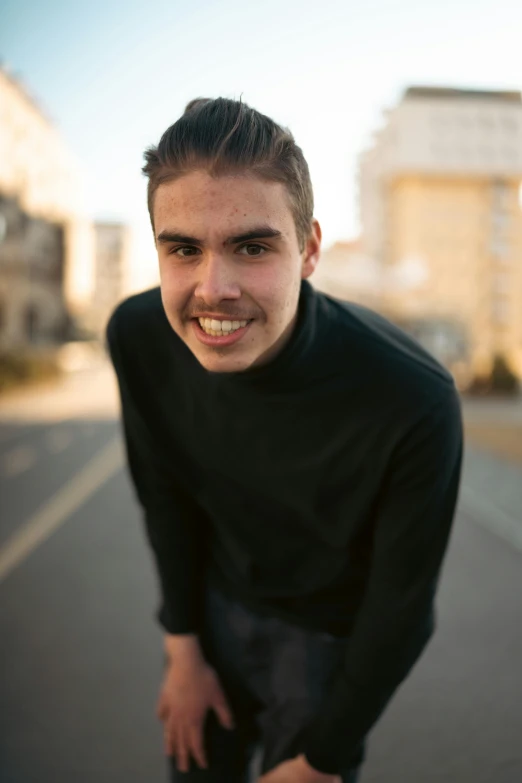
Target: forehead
(197, 199)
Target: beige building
(441, 217)
(112, 247)
(346, 272)
(45, 237)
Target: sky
(112, 76)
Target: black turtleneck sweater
(320, 488)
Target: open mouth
(234, 331)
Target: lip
(208, 339)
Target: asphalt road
(80, 652)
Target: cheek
(271, 283)
(172, 294)
(277, 295)
(173, 282)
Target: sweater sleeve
(175, 525)
(415, 511)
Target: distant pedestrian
(297, 458)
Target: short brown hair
(224, 136)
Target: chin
(222, 364)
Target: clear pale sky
(113, 75)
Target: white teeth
(219, 328)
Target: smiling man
(297, 458)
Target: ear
(312, 251)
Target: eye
(256, 247)
(175, 251)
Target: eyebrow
(260, 232)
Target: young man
(297, 458)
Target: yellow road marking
(59, 508)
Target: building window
(499, 248)
(500, 222)
(500, 195)
(501, 283)
(31, 323)
(500, 311)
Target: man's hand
(190, 688)
(297, 770)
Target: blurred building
(45, 238)
(112, 245)
(441, 217)
(346, 272)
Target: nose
(216, 280)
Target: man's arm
(396, 620)
(175, 525)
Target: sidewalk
(495, 426)
(492, 475)
(502, 440)
(89, 393)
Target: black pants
(274, 675)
